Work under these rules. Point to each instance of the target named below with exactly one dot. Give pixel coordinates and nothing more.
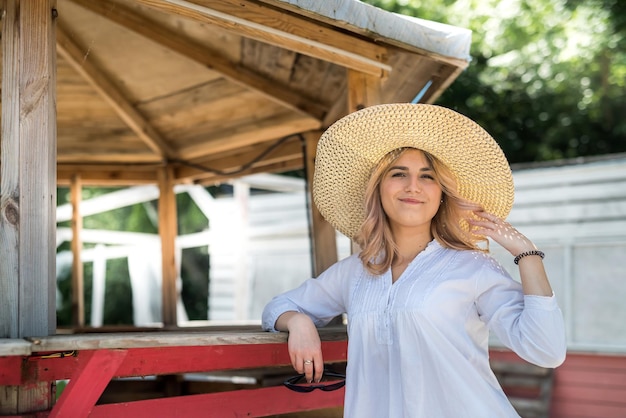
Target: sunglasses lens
(333, 386)
(297, 383)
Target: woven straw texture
(350, 148)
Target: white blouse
(419, 347)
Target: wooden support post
(323, 238)
(28, 186)
(363, 90)
(168, 229)
(78, 293)
(28, 189)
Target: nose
(413, 184)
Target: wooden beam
(253, 133)
(214, 60)
(75, 55)
(283, 29)
(103, 156)
(108, 174)
(168, 231)
(323, 235)
(78, 292)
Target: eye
(428, 177)
(398, 174)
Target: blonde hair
(448, 226)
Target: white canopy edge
(427, 35)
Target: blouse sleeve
(531, 326)
(322, 299)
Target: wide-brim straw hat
(349, 149)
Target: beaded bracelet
(524, 254)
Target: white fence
(577, 215)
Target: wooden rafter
(111, 93)
(282, 29)
(252, 133)
(184, 46)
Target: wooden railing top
(236, 335)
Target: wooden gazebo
(122, 92)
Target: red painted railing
(91, 361)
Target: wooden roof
(215, 87)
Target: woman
(420, 188)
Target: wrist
(528, 254)
(298, 320)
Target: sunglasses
(299, 384)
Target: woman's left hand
(533, 275)
(501, 232)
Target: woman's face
(409, 193)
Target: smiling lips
(410, 200)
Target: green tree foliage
(547, 77)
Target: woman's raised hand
(501, 232)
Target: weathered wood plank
(14, 347)
(10, 176)
(226, 335)
(28, 185)
(28, 189)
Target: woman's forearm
(285, 320)
(534, 277)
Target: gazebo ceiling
(215, 84)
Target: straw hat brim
(349, 149)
